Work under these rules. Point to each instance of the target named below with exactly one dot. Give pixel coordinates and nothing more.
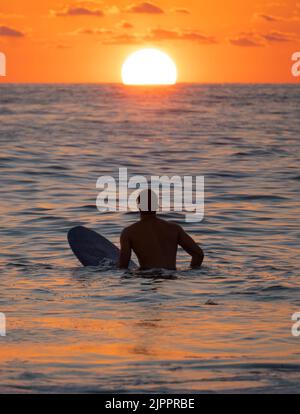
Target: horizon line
(169, 86)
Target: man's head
(147, 202)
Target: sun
(149, 67)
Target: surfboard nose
(91, 248)
(75, 231)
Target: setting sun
(149, 67)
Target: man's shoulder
(130, 228)
(139, 225)
(171, 224)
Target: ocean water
(224, 328)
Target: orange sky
(210, 41)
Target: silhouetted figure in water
(155, 241)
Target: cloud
(145, 7)
(158, 35)
(279, 37)
(247, 40)
(125, 25)
(181, 11)
(123, 34)
(78, 11)
(269, 17)
(198, 37)
(262, 39)
(10, 32)
(94, 31)
(162, 34)
(123, 39)
(62, 46)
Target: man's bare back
(155, 242)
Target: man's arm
(125, 253)
(192, 248)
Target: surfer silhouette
(155, 241)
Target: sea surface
(224, 328)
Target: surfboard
(92, 249)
